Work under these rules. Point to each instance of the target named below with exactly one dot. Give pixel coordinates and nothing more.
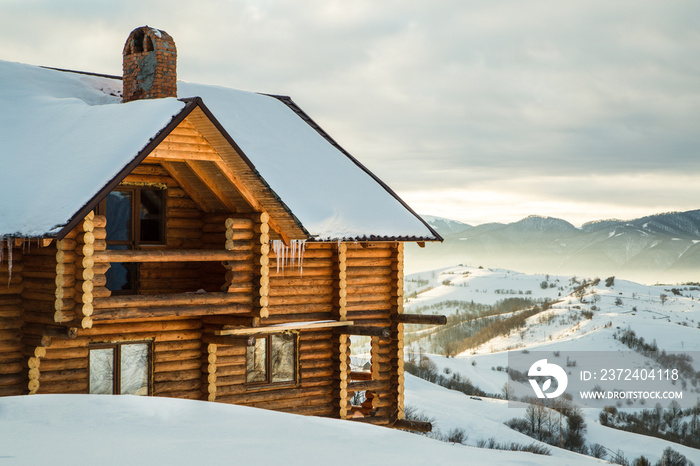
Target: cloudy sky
(480, 111)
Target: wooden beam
(283, 327)
(370, 385)
(377, 420)
(186, 186)
(360, 376)
(381, 332)
(240, 186)
(195, 148)
(177, 299)
(176, 155)
(176, 136)
(416, 426)
(251, 200)
(166, 255)
(424, 319)
(168, 311)
(212, 185)
(228, 340)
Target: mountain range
(662, 248)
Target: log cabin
(172, 239)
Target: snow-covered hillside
(586, 316)
(483, 419)
(668, 314)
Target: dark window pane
(256, 368)
(121, 276)
(102, 371)
(134, 369)
(283, 351)
(151, 215)
(119, 216)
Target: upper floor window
(135, 218)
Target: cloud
(436, 95)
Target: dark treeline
(673, 423)
(470, 333)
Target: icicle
(302, 248)
(276, 247)
(293, 245)
(291, 255)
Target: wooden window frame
(268, 384)
(116, 366)
(135, 229)
(135, 224)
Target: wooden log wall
(312, 396)
(238, 235)
(372, 300)
(176, 356)
(215, 235)
(298, 296)
(12, 363)
(49, 272)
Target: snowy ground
(119, 430)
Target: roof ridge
(87, 73)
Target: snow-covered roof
(64, 136)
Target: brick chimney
(149, 65)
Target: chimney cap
(149, 65)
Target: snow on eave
(64, 136)
(126, 170)
(375, 239)
(304, 116)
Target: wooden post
(209, 370)
(261, 270)
(84, 273)
(341, 344)
(34, 374)
(397, 331)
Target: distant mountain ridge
(657, 248)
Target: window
(120, 368)
(272, 359)
(135, 218)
